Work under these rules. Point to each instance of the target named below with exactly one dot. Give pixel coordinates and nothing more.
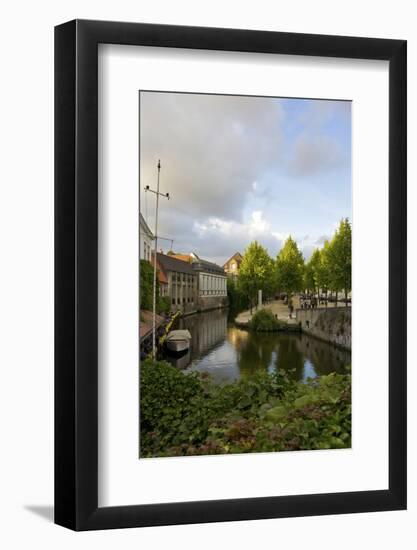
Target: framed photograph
(230, 254)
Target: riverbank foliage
(265, 321)
(186, 414)
(238, 300)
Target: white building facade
(146, 240)
(212, 284)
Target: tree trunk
(337, 292)
(346, 297)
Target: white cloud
(280, 236)
(220, 238)
(212, 148)
(227, 162)
(216, 239)
(256, 226)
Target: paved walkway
(277, 307)
(280, 309)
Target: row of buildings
(191, 283)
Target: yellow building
(231, 267)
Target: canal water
(228, 353)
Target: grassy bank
(186, 414)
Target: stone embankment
(329, 324)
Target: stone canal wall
(330, 324)
(206, 303)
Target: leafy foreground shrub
(264, 321)
(186, 414)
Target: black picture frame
(76, 272)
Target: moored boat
(178, 340)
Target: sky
(241, 168)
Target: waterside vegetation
(265, 321)
(187, 414)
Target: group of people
(308, 302)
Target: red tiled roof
(145, 325)
(162, 277)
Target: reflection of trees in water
(290, 356)
(254, 352)
(324, 357)
(246, 352)
(268, 351)
(285, 351)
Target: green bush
(164, 304)
(185, 414)
(264, 321)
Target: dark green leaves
(264, 321)
(182, 414)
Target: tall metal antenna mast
(166, 195)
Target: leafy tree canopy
(290, 267)
(323, 268)
(339, 256)
(311, 271)
(256, 271)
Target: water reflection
(228, 353)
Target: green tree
(323, 268)
(311, 272)
(340, 259)
(308, 277)
(290, 268)
(255, 272)
(238, 301)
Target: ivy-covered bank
(186, 414)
